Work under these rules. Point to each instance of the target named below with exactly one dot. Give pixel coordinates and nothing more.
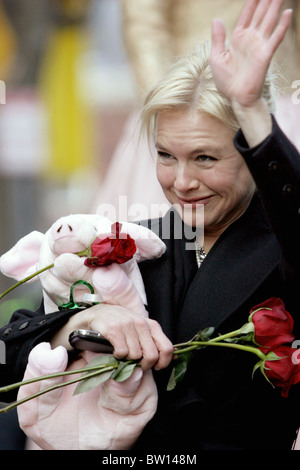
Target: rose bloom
(272, 327)
(284, 372)
(116, 247)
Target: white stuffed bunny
(112, 415)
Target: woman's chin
(193, 224)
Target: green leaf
(257, 366)
(96, 379)
(123, 372)
(262, 369)
(247, 328)
(261, 365)
(104, 360)
(172, 381)
(271, 356)
(179, 370)
(92, 382)
(204, 335)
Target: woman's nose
(185, 180)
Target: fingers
(247, 13)
(270, 17)
(261, 11)
(133, 336)
(163, 345)
(218, 37)
(144, 339)
(280, 30)
(263, 15)
(135, 341)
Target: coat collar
(244, 255)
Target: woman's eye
(163, 154)
(205, 158)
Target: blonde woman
(218, 148)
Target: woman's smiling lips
(193, 203)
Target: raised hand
(239, 70)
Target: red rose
(284, 372)
(124, 249)
(273, 324)
(116, 247)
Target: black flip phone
(87, 340)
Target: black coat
(218, 405)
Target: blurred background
(73, 74)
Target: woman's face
(198, 165)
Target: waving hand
(239, 71)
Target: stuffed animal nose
(64, 230)
(66, 237)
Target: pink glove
(111, 416)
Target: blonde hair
(188, 85)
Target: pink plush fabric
(112, 415)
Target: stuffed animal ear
(148, 244)
(20, 261)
